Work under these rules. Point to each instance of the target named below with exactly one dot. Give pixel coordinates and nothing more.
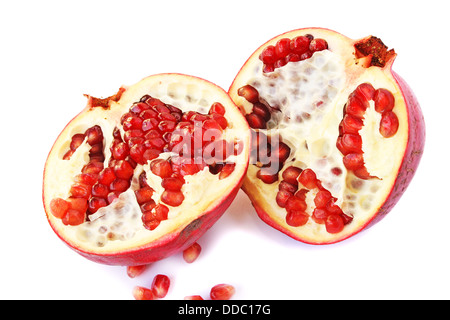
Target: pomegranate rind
(405, 150)
(191, 219)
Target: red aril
(191, 253)
(222, 292)
(352, 133)
(142, 293)
(160, 285)
(125, 183)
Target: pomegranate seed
(300, 45)
(161, 212)
(96, 203)
(100, 190)
(366, 90)
(132, 123)
(120, 185)
(194, 297)
(59, 207)
(280, 63)
(319, 215)
(73, 217)
(112, 196)
(141, 293)
(351, 124)
(222, 292)
(362, 173)
(161, 168)
(77, 140)
(123, 169)
(80, 190)
(137, 108)
(221, 120)
(308, 179)
(353, 161)
(268, 56)
(107, 176)
(296, 218)
(334, 223)
(291, 174)
(136, 153)
(261, 110)
(284, 185)
(191, 253)
(79, 204)
(172, 198)
(295, 204)
(149, 124)
(388, 124)
(94, 135)
(160, 286)
(172, 183)
(384, 100)
(134, 271)
(120, 151)
(356, 106)
(282, 48)
(144, 194)
(282, 153)
(150, 154)
(218, 108)
(352, 142)
(249, 93)
(321, 199)
(93, 167)
(318, 45)
(266, 176)
(226, 170)
(149, 222)
(282, 197)
(268, 68)
(293, 57)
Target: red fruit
(134, 271)
(160, 286)
(141, 293)
(364, 132)
(123, 201)
(222, 292)
(191, 253)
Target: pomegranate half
(144, 173)
(337, 135)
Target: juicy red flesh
(222, 292)
(150, 127)
(292, 192)
(160, 285)
(191, 253)
(349, 141)
(290, 50)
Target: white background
(54, 51)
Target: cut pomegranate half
(143, 174)
(337, 135)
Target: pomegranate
(144, 173)
(337, 135)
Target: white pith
(119, 227)
(311, 130)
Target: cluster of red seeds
(294, 201)
(271, 160)
(150, 128)
(287, 50)
(349, 141)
